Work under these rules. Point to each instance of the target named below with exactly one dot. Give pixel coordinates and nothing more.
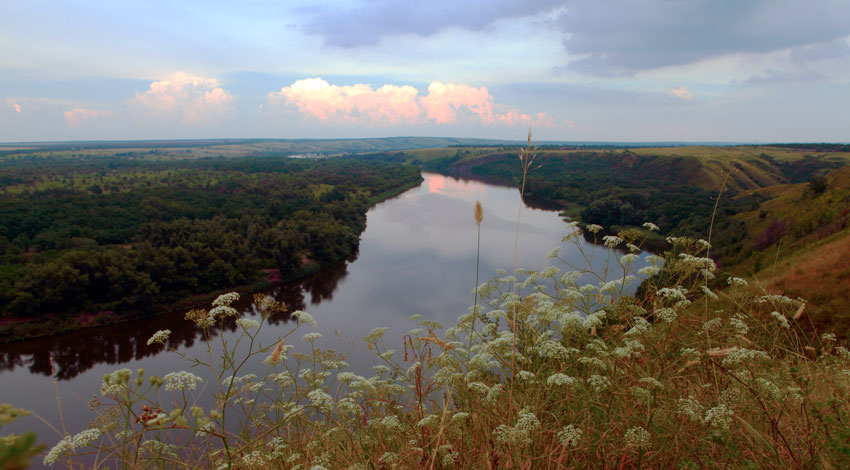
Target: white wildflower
(649, 271)
(304, 317)
(736, 281)
(389, 458)
(553, 253)
(640, 392)
(560, 379)
(719, 417)
(375, 335)
(628, 259)
(737, 356)
(691, 408)
(667, 315)
(741, 328)
(313, 336)
(652, 227)
(115, 382)
(181, 381)
(570, 436)
(708, 292)
(321, 400)
(593, 228)
(598, 382)
(712, 325)
(247, 323)
(526, 376)
(611, 241)
(159, 337)
(637, 437)
(61, 448)
(223, 311)
(459, 417)
(225, 299)
(783, 322)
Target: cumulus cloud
(366, 22)
(188, 99)
(682, 93)
(445, 103)
(17, 107)
(76, 117)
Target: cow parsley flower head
(222, 311)
(719, 417)
(598, 382)
(224, 300)
(783, 322)
(304, 317)
(559, 379)
(650, 226)
(247, 323)
(115, 382)
(159, 337)
(611, 241)
(321, 400)
(570, 436)
(691, 408)
(181, 381)
(737, 281)
(70, 443)
(637, 437)
(593, 228)
(667, 315)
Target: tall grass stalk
(477, 217)
(526, 159)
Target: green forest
(99, 235)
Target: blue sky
(631, 70)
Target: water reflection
(75, 353)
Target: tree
(818, 184)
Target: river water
(417, 256)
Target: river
(417, 256)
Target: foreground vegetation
(100, 239)
(551, 369)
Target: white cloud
(76, 117)
(682, 93)
(445, 103)
(185, 98)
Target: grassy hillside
(800, 242)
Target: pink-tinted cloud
(445, 103)
(17, 107)
(682, 93)
(76, 117)
(185, 98)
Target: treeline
(124, 235)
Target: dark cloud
(620, 37)
(610, 37)
(367, 23)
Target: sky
(574, 70)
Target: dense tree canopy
(129, 234)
